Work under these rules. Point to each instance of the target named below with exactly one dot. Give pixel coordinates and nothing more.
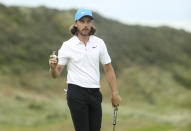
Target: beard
(84, 32)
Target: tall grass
(152, 101)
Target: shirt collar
(77, 41)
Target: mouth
(85, 30)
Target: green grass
(157, 127)
(23, 113)
(34, 102)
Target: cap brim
(85, 16)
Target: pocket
(75, 93)
(100, 96)
(70, 91)
(68, 94)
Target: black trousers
(85, 107)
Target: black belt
(90, 90)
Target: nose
(86, 24)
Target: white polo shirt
(83, 61)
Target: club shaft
(113, 127)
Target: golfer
(82, 54)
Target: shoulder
(68, 43)
(96, 39)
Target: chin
(85, 34)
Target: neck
(84, 39)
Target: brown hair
(74, 30)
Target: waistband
(83, 88)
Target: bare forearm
(111, 78)
(53, 73)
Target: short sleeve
(104, 56)
(62, 55)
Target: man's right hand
(53, 60)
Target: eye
(81, 21)
(89, 21)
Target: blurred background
(150, 45)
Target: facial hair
(82, 34)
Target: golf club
(114, 117)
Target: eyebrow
(81, 20)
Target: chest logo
(94, 46)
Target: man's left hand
(116, 99)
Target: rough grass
(34, 102)
(22, 113)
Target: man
(82, 54)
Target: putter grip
(115, 116)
